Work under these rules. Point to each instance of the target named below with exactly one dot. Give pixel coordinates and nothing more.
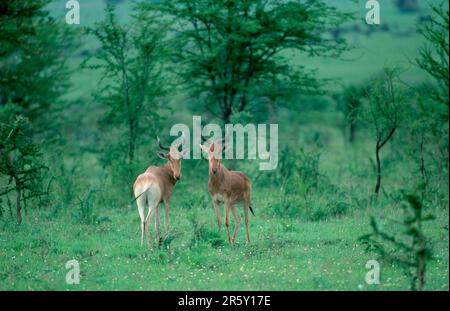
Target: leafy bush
(85, 212)
(201, 232)
(20, 160)
(319, 207)
(409, 248)
(298, 169)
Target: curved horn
(203, 138)
(161, 145)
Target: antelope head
(173, 155)
(214, 152)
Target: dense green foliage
(33, 50)
(20, 160)
(228, 49)
(33, 75)
(130, 62)
(434, 56)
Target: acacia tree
(434, 59)
(20, 159)
(33, 77)
(227, 49)
(132, 79)
(434, 55)
(419, 135)
(384, 97)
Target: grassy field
(302, 246)
(286, 254)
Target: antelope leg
(227, 221)
(237, 221)
(219, 217)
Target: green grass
(286, 253)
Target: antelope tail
(131, 202)
(251, 210)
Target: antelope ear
(162, 155)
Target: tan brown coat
(155, 186)
(228, 187)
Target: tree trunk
(226, 114)
(131, 142)
(380, 144)
(131, 149)
(421, 269)
(18, 196)
(352, 131)
(9, 207)
(378, 168)
(422, 169)
(18, 207)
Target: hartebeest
(154, 186)
(229, 187)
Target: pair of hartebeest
(155, 186)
